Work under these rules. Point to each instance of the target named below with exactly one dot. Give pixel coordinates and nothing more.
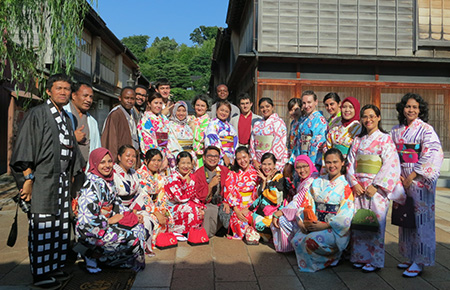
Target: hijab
(307, 160)
(356, 105)
(95, 158)
(173, 116)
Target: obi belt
(305, 140)
(409, 153)
(263, 143)
(227, 141)
(186, 144)
(325, 211)
(246, 197)
(370, 164)
(162, 138)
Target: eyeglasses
(302, 167)
(213, 156)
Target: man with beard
(141, 102)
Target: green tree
(202, 33)
(33, 28)
(137, 44)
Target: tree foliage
(33, 30)
(187, 67)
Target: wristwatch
(29, 177)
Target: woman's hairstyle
(124, 148)
(152, 153)
(309, 93)
(269, 155)
(240, 149)
(203, 98)
(423, 108)
(183, 154)
(339, 154)
(268, 100)
(333, 96)
(294, 101)
(154, 97)
(377, 112)
(223, 103)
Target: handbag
(12, 238)
(365, 220)
(224, 217)
(197, 236)
(403, 215)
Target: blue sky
(173, 18)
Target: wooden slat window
(280, 94)
(434, 19)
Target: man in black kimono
(45, 157)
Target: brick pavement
(229, 264)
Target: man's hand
(80, 135)
(25, 192)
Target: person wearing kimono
(273, 193)
(44, 160)
(221, 134)
(312, 131)
(152, 202)
(324, 218)
(186, 209)
(242, 186)
(342, 136)
(126, 178)
(421, 157)
(333, 105)
(295, 112)
(199, 125)
(284, 225)
(180, 134)
(104, 225)
(373, 172)
(154, 129)
(269, 135)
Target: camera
(25, 206)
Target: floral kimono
(288, 225)
(294, 137)
(127, 184)
(269, 136)
(98, 201)
(312, 132)
(373, 160)
(332, 202)
(199, 128)
(186, 209)
(152, 199)
(154, 132)
(341, 137)
(242, 186)
(419, 150)
(271, 198)
(223, 136)
(180, 137)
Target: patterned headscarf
(95, 158)
(356, 105)
(173, 116)
(307, 160)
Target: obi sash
(227, 141)
(186, 144)
(246, 197)
(370, 164)
(263, 143)
(343, 148)
(305, 142)
(162, 139)
(409, 153)
(326, 211)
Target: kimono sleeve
(89, 210)
(279, 148)
(319, 127)
(341, 222)
(389, 174)
(147, 134)
(431, 157)
(351, 159)
(178, 191)
(212, 137)
(233, 197)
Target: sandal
(404, 265)
(48, 283)
(368, 268)
(357, 265)
(413, 271)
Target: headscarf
(173, 116)
(307, 160)
(95, 158)
(356, 105)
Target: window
(433, 22)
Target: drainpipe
(255, 73)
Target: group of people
(225, 170)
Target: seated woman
(323, 237)
(104, 224)
(151, 203)
(284, 225)
(126, 179)
(186, 209)
(272, 194)
(242, 185)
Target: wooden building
(374, 50)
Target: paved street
(228, 264)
